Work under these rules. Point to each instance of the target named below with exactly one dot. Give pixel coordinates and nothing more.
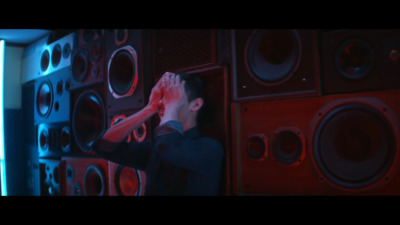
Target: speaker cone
(272, 55)
(122, 72)
(288, 146)
(354, 145)
(256, 147)
(44, 99)
(127, 181)
(45, 60)
(65, 139)
(88, 119)
(354, 59)
(56, 55)
(95, 181)
(80, 65)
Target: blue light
(2, 150)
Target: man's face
(183, 111)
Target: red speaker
(52, 97)
(50, 177)
(128, 65)
(271, 64)
(88, 60)
(360, 60)
(126, 181)
(88, 118)
(344, 144)
(178, 50)
(84, 176)
(54, 139)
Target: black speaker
(360, 60)
(54, 139)
(52, 97)
(271, 64)
(84, 176)
(88, 118)
(128, 63)
(88, 60)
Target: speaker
(52, 97)
(128, 63)
(188, 49)
(88, 118)
(345, 144)
(126, 181)
(272, 64)
(85, 176)
(88, 60)
(142, 133)
(360, 60)
(54, 139)
(50, 179)
(42, 58)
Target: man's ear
(196, 104)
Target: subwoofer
(88, 60)
(52, 97)
(272, 64)
(88, 118)
(84, 176)
(360, 60)
(128, 65)
(345, 144)
(126, 181)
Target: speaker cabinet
(178, 50)
(52, 97)
(50, 179)
(128, 63)
(360, 60)
(54, 139)
(126, 181)
(85, 176)
(271, 64)
(88, 60)
(42, 58)
(88, 118)
(344, 144)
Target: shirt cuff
(168, 127)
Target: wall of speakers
(54, 139)
(345, 144)
(271, 64)
(128, 66)
(360, 60)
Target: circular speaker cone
(122, 72)
(256, 147)
(354, 59)
(272, 55)
(140, 133)
(80, 65)
(127, 181)
(287, 147)
(56, 55)
(95, 181)
(44, 99)
(88, 119)
(354, 145)
(66, 50)
(65, 139)
(44, 139)
(45, 60)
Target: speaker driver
(44, 99)
(256, 147)
(273, 55)
(288, 146)
(354, 59)
(45, 60)
(127, 181)
(94, 181)
(354, 145)
(65, 139)
(122, 72)
(80, 65)
(56, 55)
(88, 119)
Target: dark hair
(196, 88)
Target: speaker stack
(315, 113)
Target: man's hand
(157, 92)
(173, 98)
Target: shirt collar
(192, 132)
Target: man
(179, 161)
